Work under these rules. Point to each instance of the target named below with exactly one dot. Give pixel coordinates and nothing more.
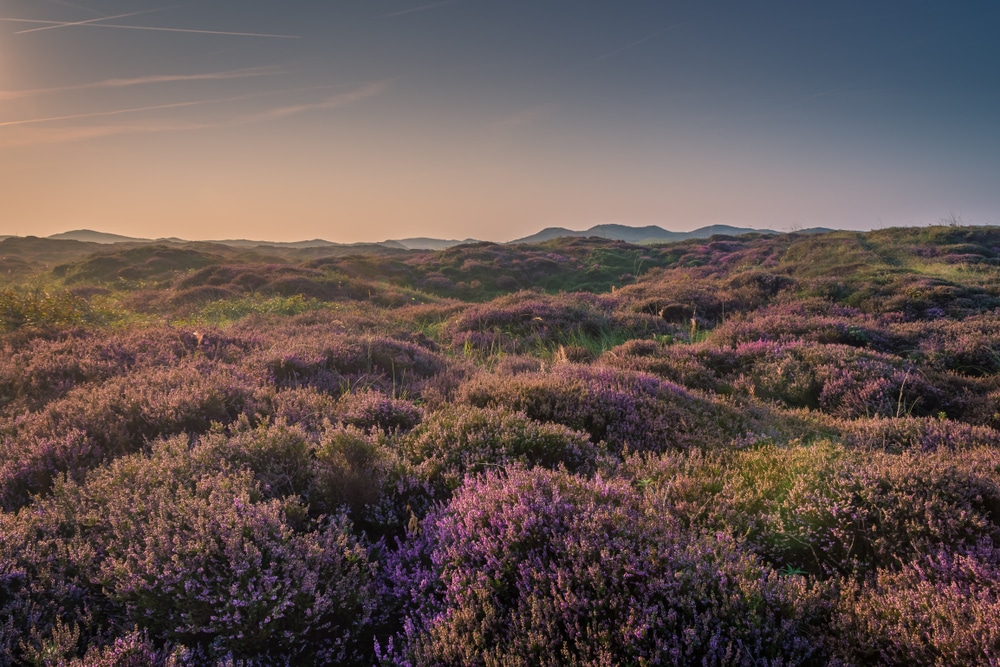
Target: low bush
(537, 567)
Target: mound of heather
(625, 409)
(538, 567)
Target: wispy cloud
(31, 131)
(58, 24)
(520, 119)
(96, 114)
(96, 24)
(632, 45)
(139, 81)
(332, 102)
(421, 8)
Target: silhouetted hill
(648, 234)
(424, 243)
(90, 236)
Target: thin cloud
(96, 114)
(36, 136)
(57, 24)
(146, 27)
(139, 81)
(28, 133)
(332, 102)
(632, 45)
(521, 118)
(421, 8)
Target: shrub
(544, 568)
(941, 609)
(623, 408)
(461, 440)
(91, 425)
(370, 411)
(830, 511)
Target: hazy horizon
(387, 119)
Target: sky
(365, 120)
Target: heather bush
(307, 407)
(211, 567)
(356, 470)
(623, 408)
(915, 434)
(812, 320)
(529, 322)
(50, 601)
(279, 455)
(131, 650)
(940, 609)
(204, 559)
(970, 346)
(692, 366)
(543, 568)
(334, 362)
(370, 410)
(829, 511)
(461, 440)
(90, 425)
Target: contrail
(635, 43)
(93, 114)
(331, 102)
(419, 9)
(58, 24)
(138, 81)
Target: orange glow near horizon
(369, 123)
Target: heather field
(754, 450)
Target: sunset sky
(362, 120)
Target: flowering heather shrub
(194, 558)
(369, 410)
(46, 585)
(515, 364)
(278, 454)
(354, 469)
(623, 408)
(687, 365)
(460, 440)
(811, 320)
(92, 424)
(545, 568)
(839, 379)
(941, 609)
(527, 321)
(825, 510)
(332, 362)
(676, 296)
(307, 407)
(37, 371)
(915, 434)
(440, 390)
(211, 567)
(970, 346)
(131, 650)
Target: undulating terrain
(754, 450)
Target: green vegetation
(766, 449)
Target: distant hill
(424, 243)
(90, 236)
(648, 234)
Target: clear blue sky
(360, 120)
